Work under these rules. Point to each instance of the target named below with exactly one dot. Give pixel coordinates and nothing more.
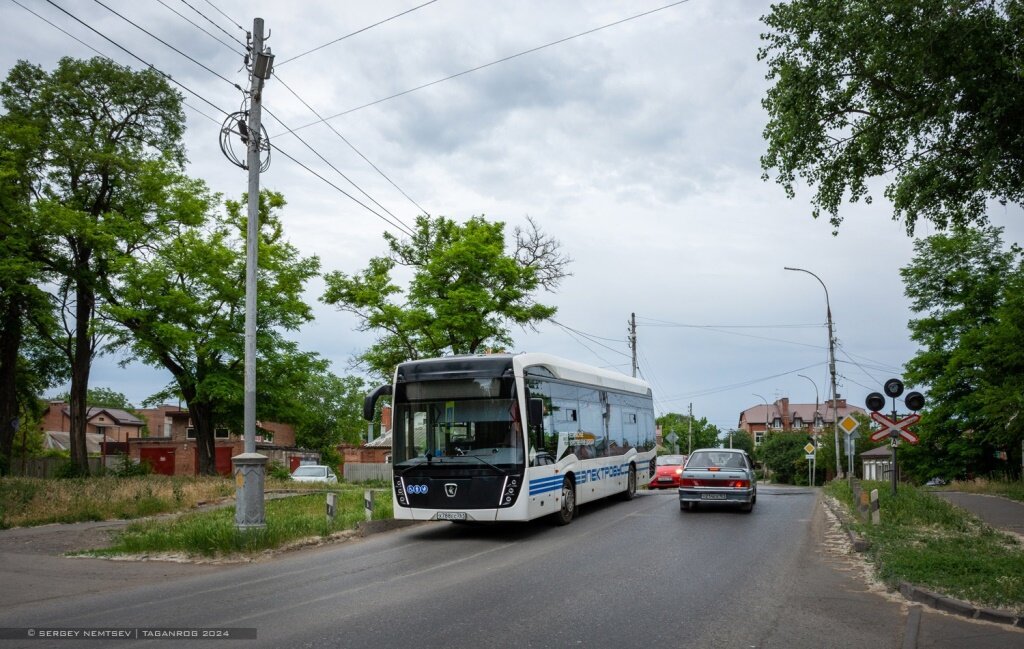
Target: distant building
(784, 416)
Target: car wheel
(684, 506)
(630, 485)
(746, 508)
(568, 507)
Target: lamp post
(814, 422)
(831, 367)
(765, 428)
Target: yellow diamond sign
(849, 424)
(809, 448)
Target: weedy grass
(34, 501)
(213, 533)
(924, 540)
(1013, 489)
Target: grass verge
(929, 543)
(32, 501)
(1013, 489)
(213, 533)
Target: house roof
(879, 451)
(384, 441)
(803, 411)
(61, 440)
(120, 417)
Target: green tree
(107, 157)
(103, 398)
(739, 439)
(704, 434)
(332, 413)
(925, 93)
(783, 453)
(466, 290)
(181, 307)
(26, 369)
(964, 288)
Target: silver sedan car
(718, 476)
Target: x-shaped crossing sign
(895, 428)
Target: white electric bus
(462, 449)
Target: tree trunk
(202, 420)
(10, 342)
(80, 366)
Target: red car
(667, 470)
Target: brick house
(784, 416)
(165, 438)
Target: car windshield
(724, 459)
(670, 460)
(310, 472)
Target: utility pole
(250, 466)
(689, 445)
(632, 340)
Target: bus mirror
(535, 414)
(370, 403)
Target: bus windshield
(465, 421)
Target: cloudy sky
(637, 146)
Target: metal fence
(359, 471)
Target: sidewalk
(1001, 513)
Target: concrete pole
(250, 467)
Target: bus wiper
(493, 450)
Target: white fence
(360, 471)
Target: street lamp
(814, 423)
(765, 411)
(831, 367)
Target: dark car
(718, 476)
(667, 469)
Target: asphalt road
(623, 574)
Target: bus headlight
(400, 494)
(510, 490)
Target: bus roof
(497, 364)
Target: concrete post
(250, 473)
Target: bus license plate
(712, 496)
(451, 516)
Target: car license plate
(712, 496)
(664, 478)
(451, 516)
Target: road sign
(809, 456)
(896, 428)
(848, 424)
(809, 448)
(671, 438)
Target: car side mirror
(535, 412)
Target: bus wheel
(630, 485)
(568, 508)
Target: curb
(927, 597)
(366, 528)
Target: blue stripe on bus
(552, 483)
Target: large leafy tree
(25, 367)
(925, 93)
(106, 159)
(466, 290)
(965, 289)
(181, 307)
(704, 434)
(332, 413)
(783, 454)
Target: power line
(101, 54)
(590, 337)
(365, 206)
(358, 31)
(502, 60)
(736, 386)
(666, 323)
(584, 345)
(244, 31)
(351, 146)
(230, 19)
(405, 228)
(143, 61)
(199, 27)
(162, 41)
